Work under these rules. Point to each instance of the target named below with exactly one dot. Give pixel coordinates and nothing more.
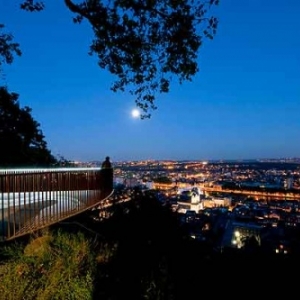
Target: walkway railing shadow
(31, 199)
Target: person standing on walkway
(106, 163)
(106, 177)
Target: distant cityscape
(230, 204)
(283, 173)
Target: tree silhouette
(7, 48)
(22, 141)
(144, 43)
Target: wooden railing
(31, 199)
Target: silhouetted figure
(106, 164)
(106, 177)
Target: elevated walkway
(31, 199)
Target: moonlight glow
(135, 113)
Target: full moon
(135, 113)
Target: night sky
(243, 104)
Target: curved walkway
(31, 199)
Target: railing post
(2, 224)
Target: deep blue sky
(244, 103)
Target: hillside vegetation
(140, 252)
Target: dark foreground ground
(153, 258)
(156, 260)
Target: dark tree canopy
(144, 43)
(22, 141)
(7, 48)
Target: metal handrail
(31, 199)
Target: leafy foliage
(49, 267)
(145, 43)
(31, 5)
(22, 141)
(61, 161)
(7, 48)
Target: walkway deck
(31, 199)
